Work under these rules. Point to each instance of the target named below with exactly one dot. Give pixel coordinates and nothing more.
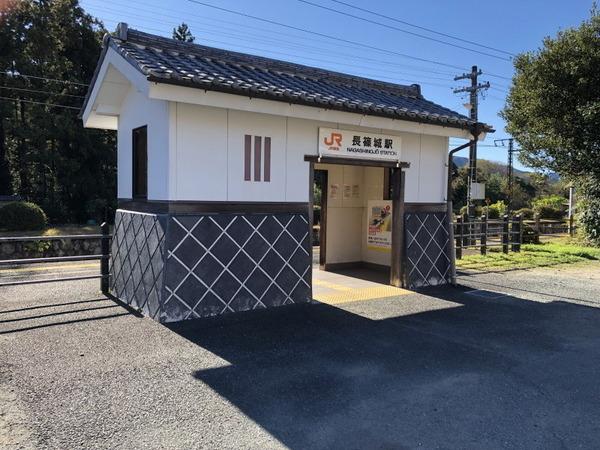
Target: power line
(360, 44)
(403, 31)
(40, 103)
(18, 74)
(39, 92)
(218, 27)
(495, 88)
(489, 74)
(237, 25)
(422, 27)
(268, 40)
(318, 50)
(160, 11)
(496, 98)
(358, 73)
(478, 145)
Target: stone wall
(38, 249)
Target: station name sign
(358, 144)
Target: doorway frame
(323, 221)
(398, 276)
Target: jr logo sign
(358, 144)
(333, 141)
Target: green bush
(478, 211)
(548, 212)
(589, 219)
(495, 210)
(553, 201)
(525, 213)
(22, 216)
(588, 209)
(550, 207)
(530, 235)
(96, 209)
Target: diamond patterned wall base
(178, 267)
(235, 262)
(427, 239)
(137, 260)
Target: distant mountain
(497, 167)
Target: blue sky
(511, 26)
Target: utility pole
(510, 174)
(511, 152)
(473, 91)
(571, 228)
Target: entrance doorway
(357, 228)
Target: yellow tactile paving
(328, 284)
(334, 293)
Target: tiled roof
(165, 60)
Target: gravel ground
(576, 283)
(514, 367)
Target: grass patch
(592, 253)
(61, 230)
(531, 255)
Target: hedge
(22, 216)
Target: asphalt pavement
(505, 361)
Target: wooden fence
(508, 233)
(552, 228)
(482, 234)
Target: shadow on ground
(460, 371)
(366, 274)
(61, 314)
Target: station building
(225, 159)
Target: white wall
(216, 99)
(208, 161)
(241, 123)
(136, 111)
(344, 215)
(433, 171)
(302, 139)
(196, 153)
(201, 153)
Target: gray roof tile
(169, 61)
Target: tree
(494, 184)
(553, 108)
(48, 53)
(459, 186)
(183, 33)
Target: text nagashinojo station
(226, 160)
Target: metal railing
(483, 233)
(103, 257)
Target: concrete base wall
(185, 266)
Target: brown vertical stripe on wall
(267, 176)
(247, 156)
(257, 150)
